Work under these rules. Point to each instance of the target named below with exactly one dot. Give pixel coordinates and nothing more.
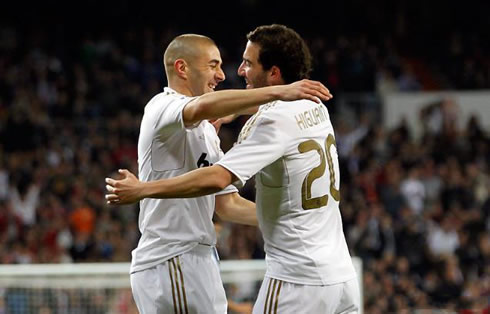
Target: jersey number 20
(317, 172)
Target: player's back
(298, 198)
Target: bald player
(173, 269)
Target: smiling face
(205, 71)
(193, 65)
(251, 69)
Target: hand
(305, 89)
(218, 122)
(123, 191)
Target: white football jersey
(291, 146)
(166, 148)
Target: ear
(180, 68)
(275, 75)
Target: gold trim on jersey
(270, 305)
(175, 273)
(250, 122)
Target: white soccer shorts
(277, 296)
(186, 284)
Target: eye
(213, 66)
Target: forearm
(234, 208)
(244, 213)
(248, 111)
(199, 182)
(222, 103)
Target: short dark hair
(283, 47)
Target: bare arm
(222, 103)
(218, 122)
(199, 182)
(232, 207)
(240, 307)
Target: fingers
(312, 98)
(124, 172)
(315, 89)
(110, 181)
(325, 96)
(112, 185)
(217, 124)
(316, 96)
(112, 199)
(325, 92)
(110, 189)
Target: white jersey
(166, 148)
(292, 147)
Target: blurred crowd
(416, 210)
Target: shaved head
(187, 47)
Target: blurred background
(411, 81)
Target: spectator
(71, 107)
(443, 239)
(24, 203)
(413, 190)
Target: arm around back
(222, 103)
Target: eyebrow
(215, 61)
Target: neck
(180, 87)
(181, 90)
(276, 81)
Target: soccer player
(291, 150)
(173, 269)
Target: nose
(241, 70)
(220, 75)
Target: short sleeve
(261, 142)
(169, 118)
(229, 189)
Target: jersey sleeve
(169, 119)
(259, 145)
(230, 188)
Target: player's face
(251, 69)
(205, 71)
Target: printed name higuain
(311, 117)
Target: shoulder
(288, 109)
(156, 100)
(161, 101)
(168, 96)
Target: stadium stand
(416, 210)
